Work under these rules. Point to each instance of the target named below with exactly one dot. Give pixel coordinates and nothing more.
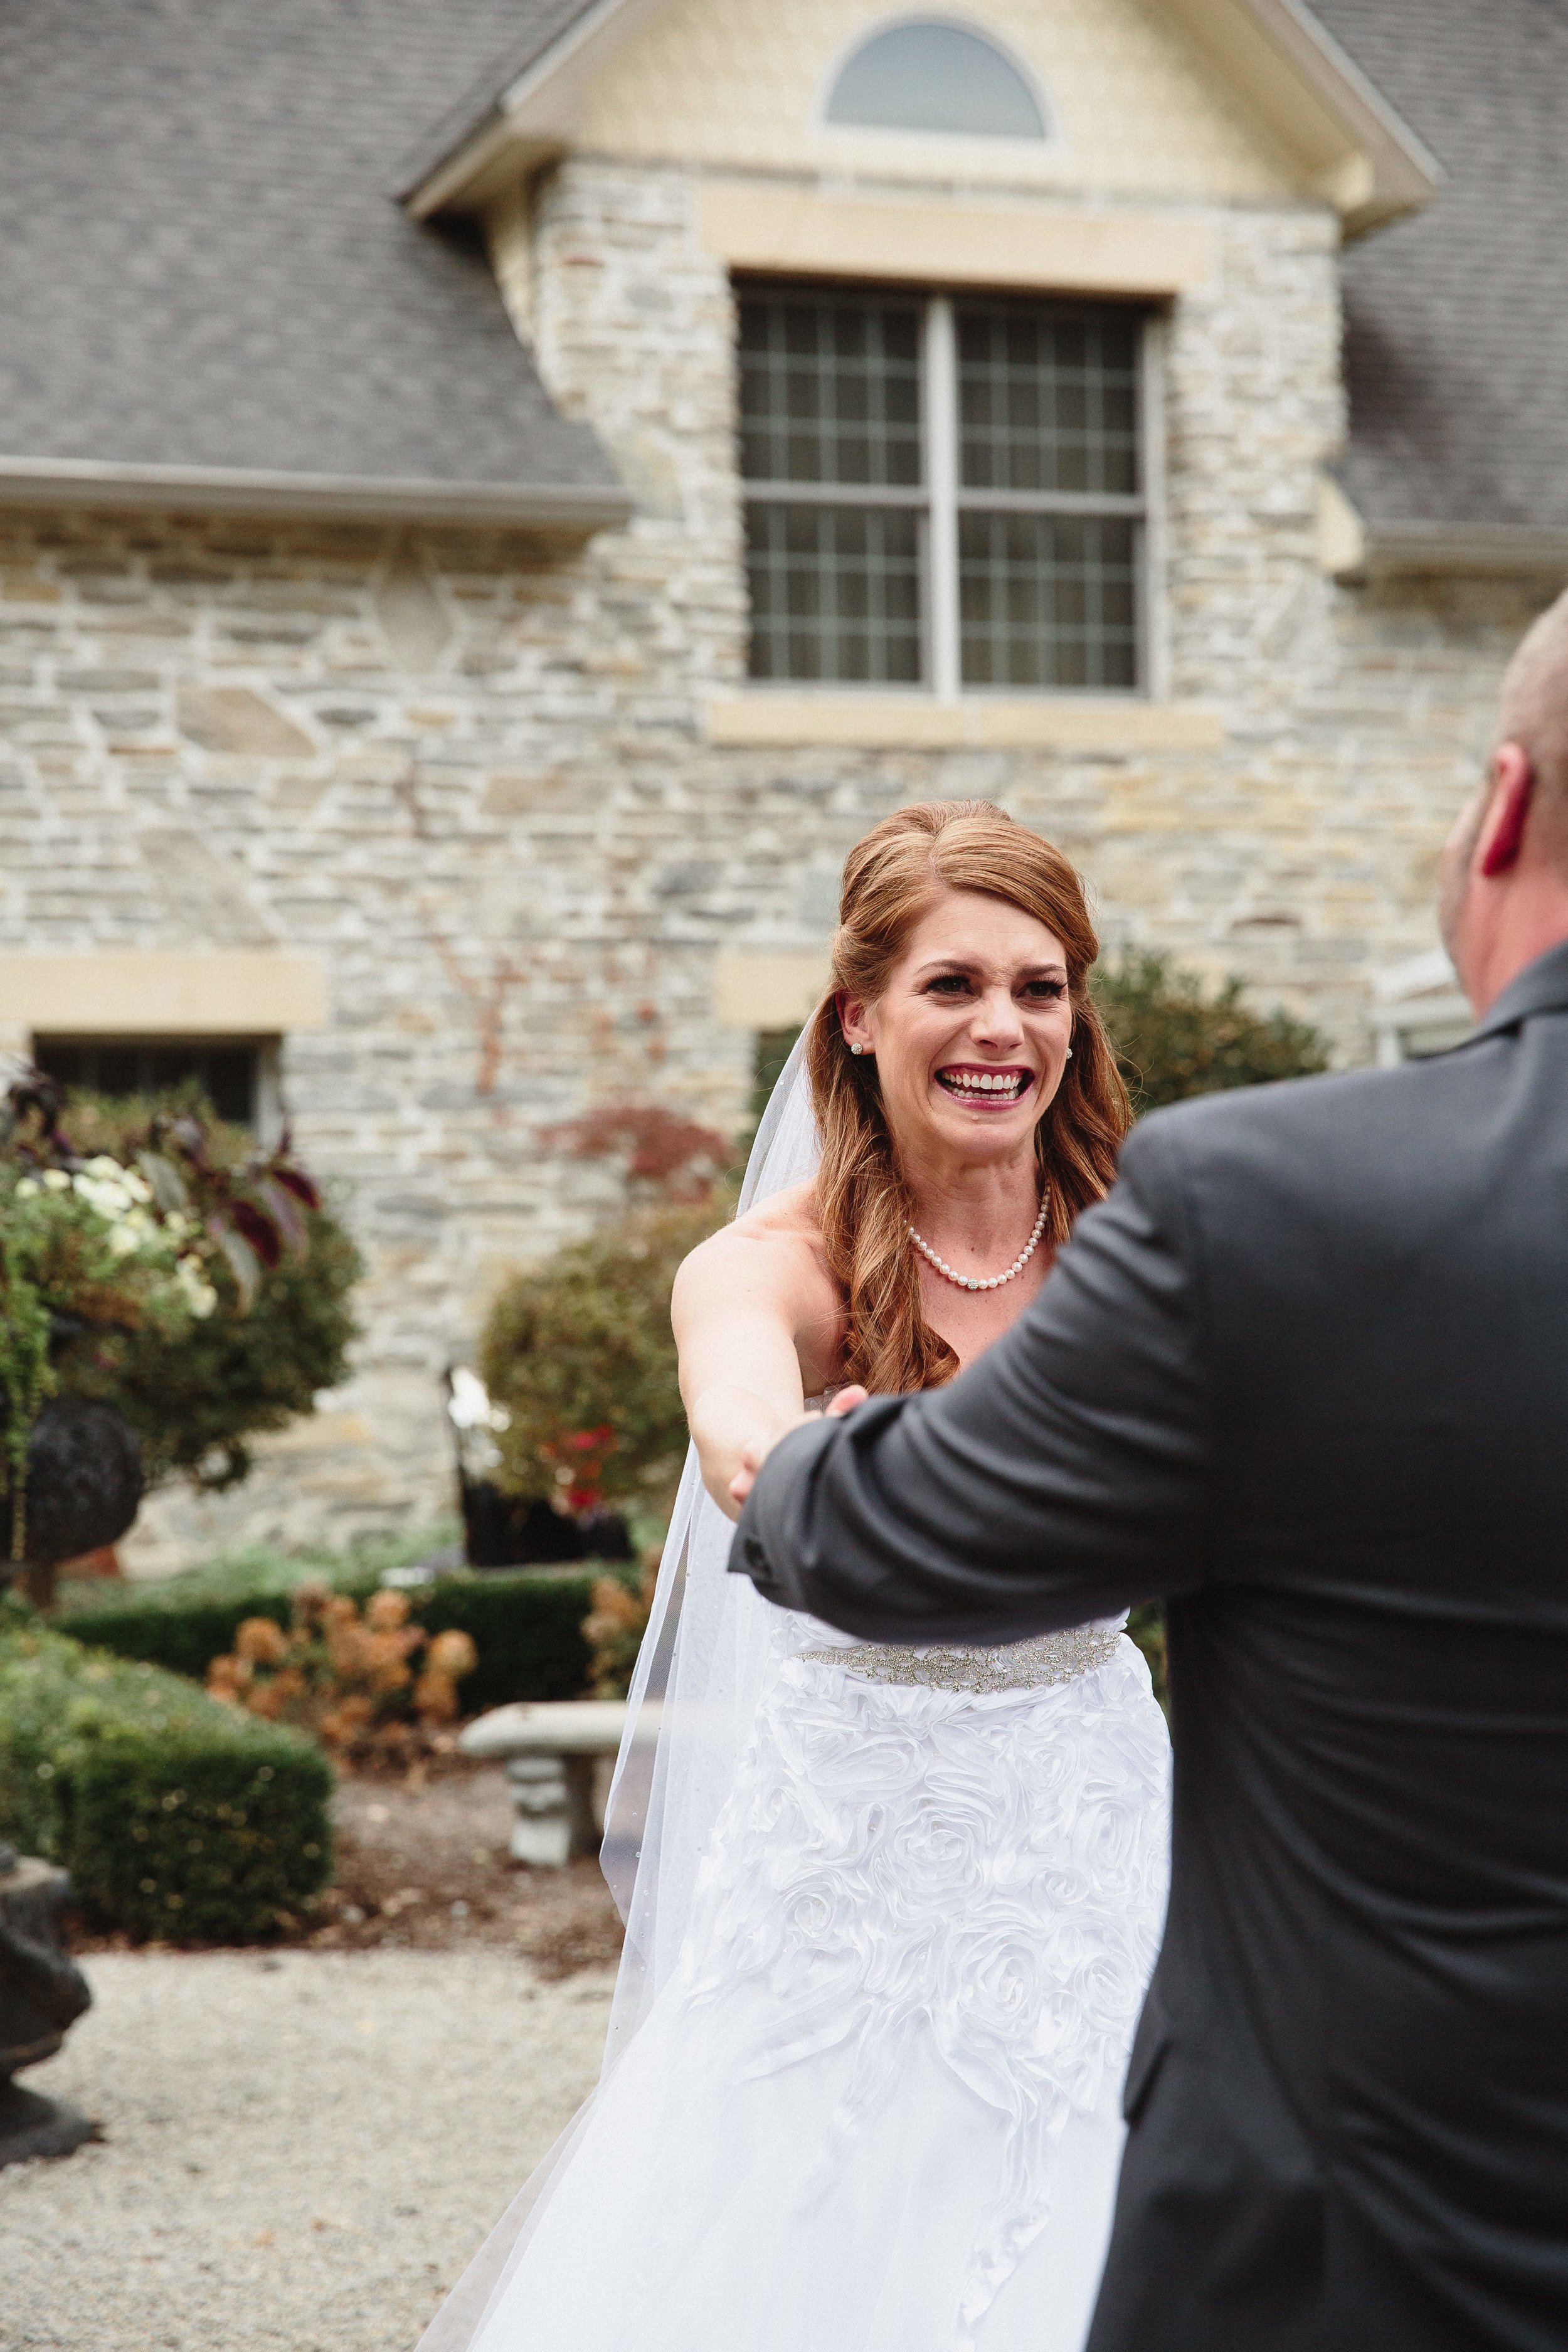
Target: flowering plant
(365, 1686)
(88, 1245)
(156, 1261)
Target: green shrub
(582, 1344)
(176, 1817)
(1174, 1040)
(195, 1404)
(526, 1623)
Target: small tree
(1174, 1040)
(579, 1356)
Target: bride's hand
(755, 1454)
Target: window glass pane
(935, 76)
(836, 593)
(830, 388)
(1049, 601)
(1047, 397)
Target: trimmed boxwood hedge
(177, 1818)
(526, 1623)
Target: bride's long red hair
(890, 880)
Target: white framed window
(945, 491)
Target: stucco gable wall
(1140, 110)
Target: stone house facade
(386, 683)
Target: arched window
(930, 74)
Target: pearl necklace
(977, 1282)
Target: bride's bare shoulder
(766, 1274)
(775, 1248)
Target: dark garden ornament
(42, 1993)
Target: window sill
(917, 723)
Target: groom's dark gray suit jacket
(1305, 1373)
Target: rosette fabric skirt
(878, 2108)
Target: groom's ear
(1508, 810)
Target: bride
(889, 1913)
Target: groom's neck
(1530, 917)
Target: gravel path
(300, 2149)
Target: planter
(84, 1486)
(505, 1531)
(42, 1993)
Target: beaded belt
(1020, 1665)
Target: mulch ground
(423, 1865)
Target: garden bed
(526, 1623)
(423, 1864)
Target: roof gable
(1237, 100)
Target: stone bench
(550, 1747)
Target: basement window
(239, 1075)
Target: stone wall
(446, 766)
(1296, 854)
(466, 772)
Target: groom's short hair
(1534, 714)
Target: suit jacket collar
(1541, 987)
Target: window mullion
(1153, 611)
(941, 405)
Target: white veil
(693, 1700)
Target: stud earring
(856, 1049)
(1069, 1053)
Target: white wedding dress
(892, 1918)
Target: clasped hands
(756, 1450)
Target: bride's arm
(735, 1312)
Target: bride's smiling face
(971, 1032)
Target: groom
(1305, 1374)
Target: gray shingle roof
(1456, 320)
(201, 265)
(532, 26)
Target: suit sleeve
(1065, 1476)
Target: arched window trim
(988, 141)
